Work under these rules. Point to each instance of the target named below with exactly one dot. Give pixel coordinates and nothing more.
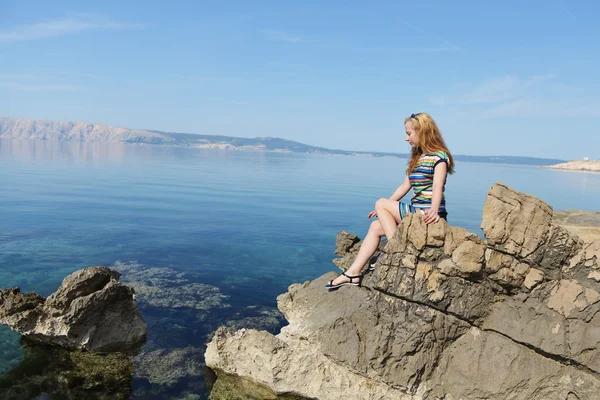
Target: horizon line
(274, 137)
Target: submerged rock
(52, 372)
(90, 310)
(168, 366)
(445, 315)
(180, 310)
(170, 289)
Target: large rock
(90, 310)
(445, 315)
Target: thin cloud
(442, 45)
(283, 36)
(448, 46)
(568, 12)
(231, 101)
(35, 83)
(494, 90)
(437, 50)
(539, 96)
(39, 87)
(534, 107)
(18, 76)
(73, 24)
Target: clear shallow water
(247, 223)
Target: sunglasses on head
(414, 115)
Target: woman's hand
(372, 214)
(431, 215)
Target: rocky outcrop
(578, 165)
(90, 310)
(445, 315)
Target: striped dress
(421, 181)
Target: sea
(211, 238)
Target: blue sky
(500, 77)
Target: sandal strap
(351, 277)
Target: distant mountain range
(14, 128)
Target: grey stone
(90, 310)
(445, 315)
(516, 223)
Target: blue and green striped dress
(421, 181)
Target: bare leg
(367, 249)
(388, 212)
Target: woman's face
(412, 137)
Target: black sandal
(372, 261)
(330, 284)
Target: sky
(499, 77)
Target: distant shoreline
(577, 165)
(262, 148)
(82, 132)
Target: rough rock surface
(445, 315)
(90, 310)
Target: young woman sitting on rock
(429, 163)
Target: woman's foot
(343, 280)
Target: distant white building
(586, 159)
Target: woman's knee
(376, 228)
(381, 203)
(389, 206)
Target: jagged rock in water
(445, 315)
(90, 310)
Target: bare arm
(439, 176)
(397, 195)
(402, 190)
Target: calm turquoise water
(247, 223)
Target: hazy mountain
(77, 131)
(15, 128)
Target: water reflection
(26, 150)
(115, 153)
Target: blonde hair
(430, 140)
